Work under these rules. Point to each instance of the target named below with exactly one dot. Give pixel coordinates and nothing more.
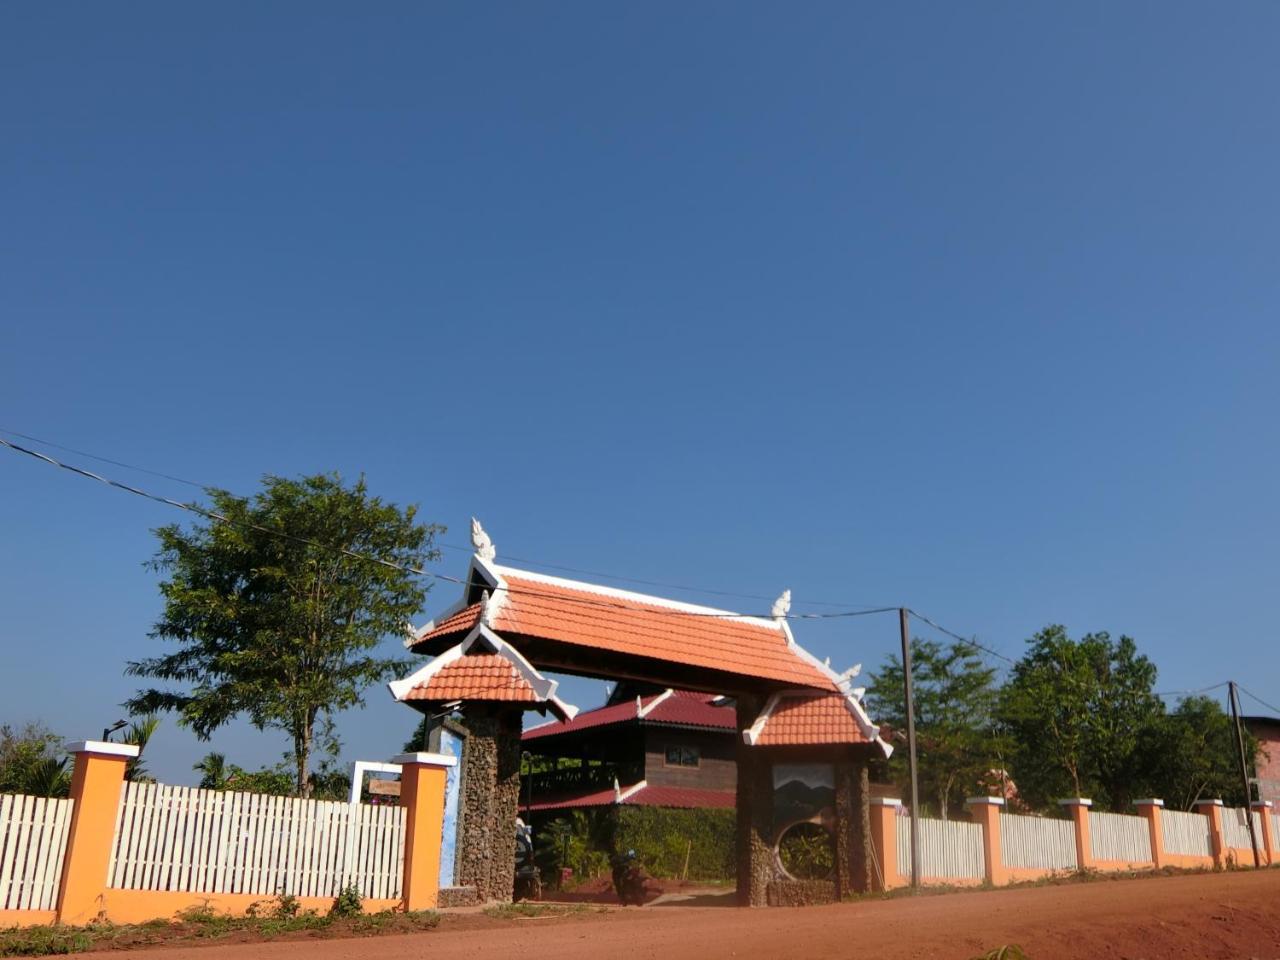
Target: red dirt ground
(1231, 915)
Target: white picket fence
(210, 841)
(948, 849)
(1235, 828)
(1039, 843)
(33, 842)
(1275, 826)
(1115, 836)
(1186, 833)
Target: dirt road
(1233, 915)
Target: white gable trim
(622, 796)
(644, 711)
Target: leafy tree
(272, 620)
(955, 694)
(213, 771)
(1079, 712)
(139, 735)
(1190, 755)
(32, 762)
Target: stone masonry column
(755, 812)
(852, 828)
(490, 798)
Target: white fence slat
(948, 850)
(1038, 843)
(1117, 836)
(33, 837)
(1187, 834)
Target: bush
(348, 904)
(663, 837)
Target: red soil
(1201, 916)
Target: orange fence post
(1213, 810)
(884, 840)
(422, 783)
(1150, 811)
(1268, 838)
(95, 794)
(1078, 807)
(986, 811)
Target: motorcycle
(628, 878)
(528, 884)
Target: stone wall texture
(490, 795)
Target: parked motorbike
(528, 877)
(628, 878)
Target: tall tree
(1078, 712)
(955, 696)
(271, 619)
(32, 761)
(1190, 755)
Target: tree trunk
(302, 755)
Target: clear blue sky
(966, 307)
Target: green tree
(271, 619)
(1190, 755)
(957, 744)
(32, 762)
(139, 735)
(1079, 713)
(213, 771)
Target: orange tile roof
(476, 676)
(810, 720)
(461, 622)
(630, 624)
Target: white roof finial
(484, 609)
(485, 549)
(781, 606)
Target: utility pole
(911, 749)
(1244, 770)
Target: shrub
(349, 903)
(663, 838)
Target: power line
(406, 568)
(1254, 696)
(453, 546)
(955, 636)
(1190, 693)
(117, 463)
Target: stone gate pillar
(489, 798)
(852, 827)
(755, 812)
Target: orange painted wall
(26, 918)
(139, 906)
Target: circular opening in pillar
(806, 851)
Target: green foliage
(807, 852)
(349, 903)
(662, 837)
(213, 771)
(1190, 754)
(32, 762)
(1079, 713)
(43, 941)
(275, 628)
(957, 743)
(578, 840)
(139, 735)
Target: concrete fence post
(422, 787)
(884, 841)
(1268, 839)
(985, 811)
(1149, 810)
(96, 780)
(1078, 807)
(1213, 810)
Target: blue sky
(968, 308)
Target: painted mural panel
(450, 744)
(803, 791)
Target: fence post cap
(427, 759)
(885, 802)
(1149, 802)
(1208, 803)
(1262, 804)
(104, 748)
(1076, 802)
(984, 801)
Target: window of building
(680, 756)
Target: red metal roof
(810, 720)
(646, 796)
(681, 708)
(600, 618)
(476, 676)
